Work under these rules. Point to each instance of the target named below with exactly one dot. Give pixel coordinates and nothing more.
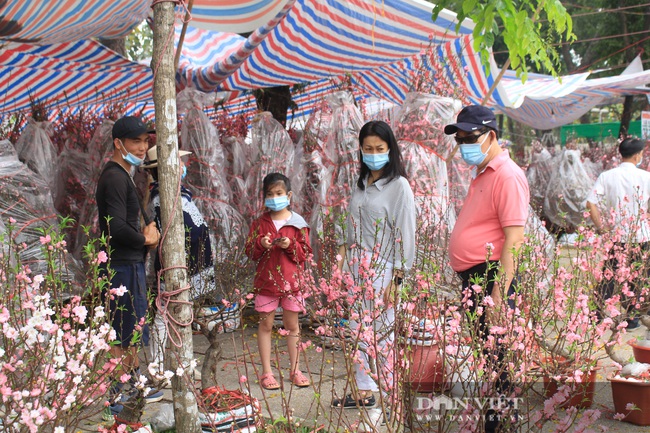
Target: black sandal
(349, 402)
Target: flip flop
(267, 381)
(349, 402)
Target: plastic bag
(164, 419)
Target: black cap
(473, 118)
(130, 127)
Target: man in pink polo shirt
(490, 227)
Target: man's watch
(398, 280)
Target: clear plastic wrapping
(276, 154)
(207, 173)
(568, 187)
(100, 150)
(422, 119)
(538, 175)
(342, 148)
(26, 203)
(206, 170)
(36, 150)
(317, 170)
(73, 185)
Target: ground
(327, 370)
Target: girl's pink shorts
(266, 304)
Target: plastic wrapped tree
(26, 201)
(333, 162)
(538, 175)
(569, 185)
(206, 173)
(316, 163)
(36, 150)
(425, 147)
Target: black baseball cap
(473, 118)
(130, 127)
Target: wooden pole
(181, 38)
(173, 242)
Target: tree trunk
(118, 45)
(628, 105)
(173, 243)
(626, 117)
(277, 100)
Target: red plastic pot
(636, 393)
(581, 395)
(641, 353)
(427, 372)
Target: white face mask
(638, 164)
(133, 160)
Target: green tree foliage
(526, 27)
(139, 43)
(610, 33)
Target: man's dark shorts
(129, 309)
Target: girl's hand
(266, 241)
(284, 243)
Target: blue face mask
(131, 158)
(472, 154)
(375, 161)
(184, 173)
(277, 203)
(638, 164)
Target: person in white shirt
(618, 203)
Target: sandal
(299, 379)
(349, 402)
(267, 381)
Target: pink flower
(619, 417)
(283, 332)
(45, 239)
(243, 379)
(119, 291)
(102, 257)
(630, 406)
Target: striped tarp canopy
(376, 47)
(69, 74)
(54, 21)
(318, 39)
(234, 16)
(544, 102)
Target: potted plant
(631, 393)
(641, 348)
